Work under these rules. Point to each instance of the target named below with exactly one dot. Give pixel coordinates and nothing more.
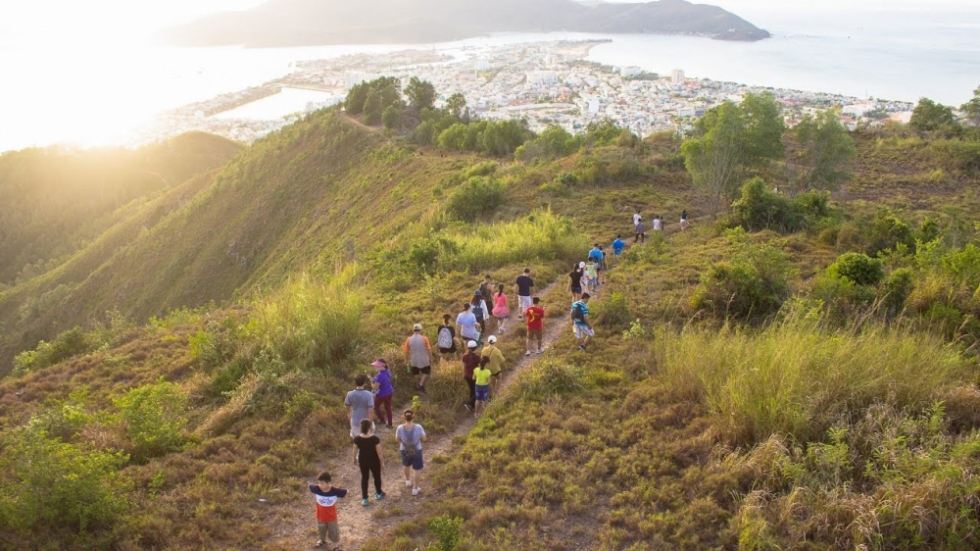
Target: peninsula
(283, 23)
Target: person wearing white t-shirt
(657, 223)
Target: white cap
(417, 327)
(492, 339)
(471, 344)
(581, 264)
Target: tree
(392, 117)
(764, 128)
(421, 93)
(373, 108)
(972, 108)
(714, 158)
(929, 116)
(456, 104)
(826, 150)
(354, 103)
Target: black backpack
(577, 312)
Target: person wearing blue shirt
(597, 255)
(618, 246)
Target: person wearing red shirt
(535, 324)
(326, 508)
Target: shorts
(415, 463)
(583, 331)
(576, 288)
(534, 333)
(482, 393)
(524, 303)
(447, 350)
(423, 370)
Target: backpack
(484, 361)
(411, 448)
(478, 311)
(445, 338)
(577, 314)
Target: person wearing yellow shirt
(482, 376)
(494, 362)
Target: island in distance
(282, 23)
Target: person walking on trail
(525, 288)
(359, 403)
(326, 509)
(601, 266)
(501, 310)
(535, 325)
(446, 337)
(383, 392)
(641, 233)
(482, 376)
(486, 292)
(637, 218)
(618, 245)
(480, 310)
(658, 224)
(493, 359)
(367, 456)
(575, 280)
(591, 278)
(683, 219)
(580, 322)
(597, 255)
(410, 436)
(418, 354)
(471, 360)
(466, 322)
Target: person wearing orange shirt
(535, 324)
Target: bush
(154, 419)
(69, 344)
(888, 232)
(613, 312)
(475, 198)
(49, 485)
(758, 208)
(751, 287)
(857, 267)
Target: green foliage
(858, 268)
(475, 198)
(549, 378)
(421, 93)
(751, 286)
(607, 133)
(69, 344)
(455, 104)
(554, 142)
(826, 150)
(154, 419)
(373, 109)
(500, 138)
(392, 117)
(51, 486)
(759, 208)
(929, 116)
(888, 232)
(373, 98)
(613, 311)
(972, 108)
(447, 531)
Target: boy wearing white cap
(493, 359)
(418, 354)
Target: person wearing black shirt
(525, 288)
(575, 280)
(367, 457)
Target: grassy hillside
(58, 200)
(814, 388)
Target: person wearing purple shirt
(385, 392)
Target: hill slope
(316, 22)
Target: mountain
(281, 23)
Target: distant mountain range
(280, 23)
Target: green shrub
(758, 208)
(613, 311)
(47, 485)
(751, 287)
(897, 288)
(154, 419)
(857, 267)
(888, 232)
(475, 198)
(69, 344)
(448, 532)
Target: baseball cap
(417, 327)
(471, 344)
(491, 339)
(581, 264)
(478, 294)
(380, 363)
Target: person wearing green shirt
(481, 375)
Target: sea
(92, 97)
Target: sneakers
(364, 502)
(420, 388)
(379, 497)
(468, 407)
(319, 544)
(582, 346)
(528, 353)
(408, 482)
(415, 491)
(541, 351)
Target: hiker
(446, 337)
(326, 509)
(367, 456)
(480, 310)
(580, 316)
(471, 360)
(597, 255)
(383, 392)
(637, 218)
(501, 312)
(618, 245)
(467, 324)
(493, 359)
(486, 292)
(481, 378)
(683, 219)
(525, 287)
(418, 354)
(591, 278)
(601, 266)
(657, 223)
(641, 233)
(359, 403)
(535, 325)
(575, 280)
(410, 437)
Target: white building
(677, 77)
(593, 107)
(631, 71)
(542, 77)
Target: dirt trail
(293, 525)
